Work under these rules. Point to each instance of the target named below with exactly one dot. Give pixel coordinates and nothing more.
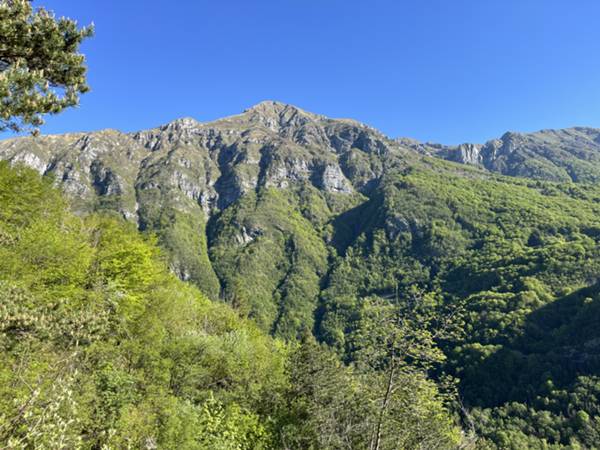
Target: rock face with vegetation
(229, 184)
(410, 261)
(571, 154)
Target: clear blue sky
(441, 70)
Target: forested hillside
(515, 264)
(439, 293)
(102, 347)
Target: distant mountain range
(571, 154)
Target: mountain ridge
(567, 154)
(265, 123)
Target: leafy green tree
(41, 69)
(323, 405)
(394, 349)
(384, 400)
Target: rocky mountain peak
(184, 123)
(279, 117)
(272, 108)
(202, 168)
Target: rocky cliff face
(211, 164)
(571, 154)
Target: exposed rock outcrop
(571, 154)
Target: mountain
(213, 164)
(178, 179)
(571, 154)
(304, 222)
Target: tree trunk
(384, 405)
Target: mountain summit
(213, 164)
(272, 108)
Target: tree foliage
(102, 346)
(41, 69)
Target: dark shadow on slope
(560, 342)
(351, 224)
